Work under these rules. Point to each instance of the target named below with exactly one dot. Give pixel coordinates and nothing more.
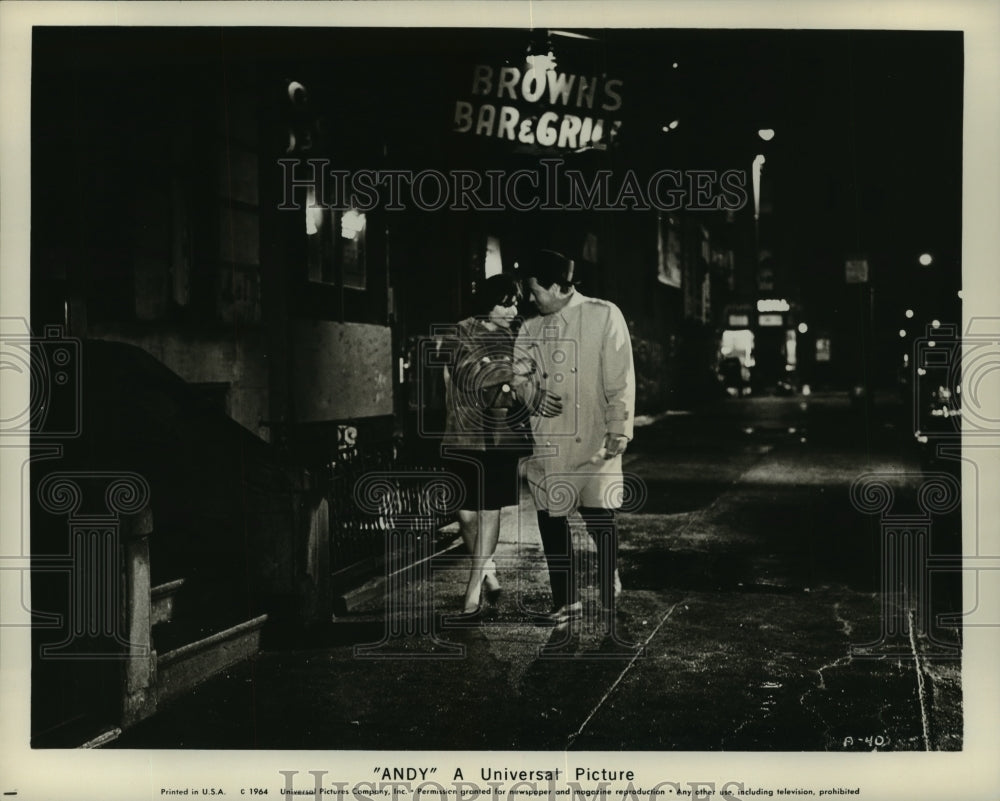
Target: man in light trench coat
(584, 400)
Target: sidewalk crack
(614, 685)
(921, 686)
(845, 624)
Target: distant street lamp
(909, 314)
(926, 259)
(902, 332)
(767, 134)
(758, 164)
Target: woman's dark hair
(548, 267)
(497, 290)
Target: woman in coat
(486, 426)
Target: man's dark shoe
(563, 615)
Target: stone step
(162, 598)
(186, 666)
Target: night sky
(866, 158)
(867, 153)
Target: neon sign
(540, 106)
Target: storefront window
(335, 258)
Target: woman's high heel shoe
(491, 588)
(473, 606)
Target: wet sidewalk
(739, 629)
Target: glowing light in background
(758, 164)
(314, 213)
(494, 263)
(773, 305)
(352, 223)
(541, 63)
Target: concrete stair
(185, 666)
(186, 652)
(162, 600)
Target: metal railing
(359, 533)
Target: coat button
(579, 439)
(572, 369)
(545, 375)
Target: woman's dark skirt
(490, 477)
